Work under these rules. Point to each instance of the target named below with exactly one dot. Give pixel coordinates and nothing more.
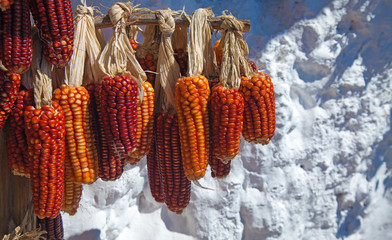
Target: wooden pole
(15, 194)
(146, 18)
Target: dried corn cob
(182, 59)
(16, 39)
(53, 227)
(54, 19)
(80, 147)
(45, 131)
(72, 191)
(252, 65)
(218, 49)
(176, 186)
(154, 176)
(218, 168)
(145, 124)
(227, 107)
(259, 113)
(9, 87)
(192, 95)
(149, 63)
(5, 4)
(17, 143)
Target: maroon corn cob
(154, 176)
(53, 227)
(176, 186)
(9, 87)
(54, 19)
(17, 142)
(45, 133)
(15, 37)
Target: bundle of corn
(117, 95)
(9, 87)
(17, 143)
(145, 124)
(45, 132)
(15, 37)
(175, 186)
(259, 114)
(5, 4)
(154, 176)
(52, 226)
(147, 53)
(192, 94)
(54, 20)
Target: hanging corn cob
(145, 124)
(5, 4)
(117, 96)
(9, 87)
(54, 19)
(15, 37)
(72, 191)
(179, 42)
(218, 168)
(53, 227)
(259, 114)
(176, 187)
(154, 176)
(17, 143)
(147, 53)
(218, 50)
(192, 94)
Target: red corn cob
(53, 227)
(145, 124)
(17, 143)
(154, 176)
(54, 19)
(9, 87)
(218, 168)
(45, 133)
(227, 107)
(259, 114)
(176, 186)
(15, 37)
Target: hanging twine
(234, 53)
(200, 52)
(168, 68)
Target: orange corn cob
(54, 19)
(192, 95)
(176, 186)
(154, 176)
(9, 87)
(5, 4)
(15, 37)
(17, 143)
(80, 147)
(53, 227)
(259, 114)
(72, 191)
(227, 107)
(218, 168)
(145, 124)
(218, 49)
(45, 131)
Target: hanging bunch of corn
(54, 19)
(147, 53)
(52, 226)
(15, 37)
(192, 95)
(175, 186)
(5, 4)
(259, 114)
(117, 96)
(17, 143)
(74, 99)
(9, 87)
(227, 104)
